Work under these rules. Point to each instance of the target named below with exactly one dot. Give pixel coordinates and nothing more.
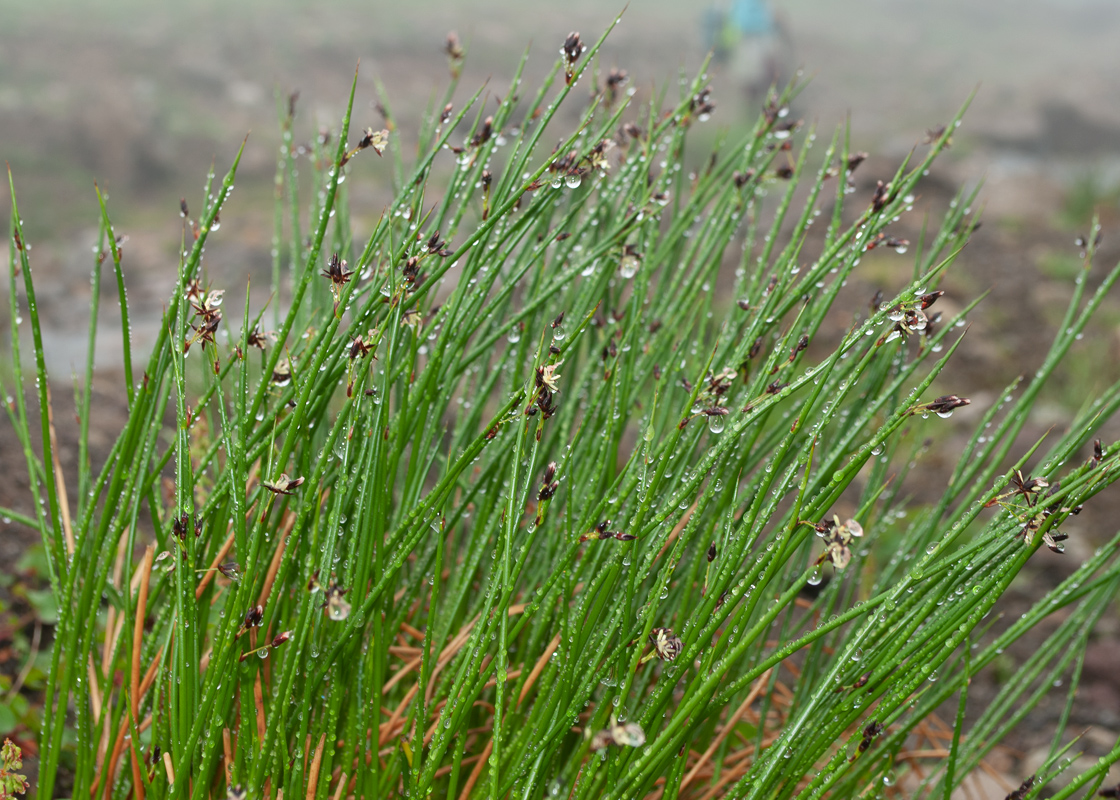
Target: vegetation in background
(1086, 197)
(570, 477)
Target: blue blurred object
(752, 17)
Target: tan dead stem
(313, 773)
(756, 690)
(538, 668)
(476, 773)
(137, 647)
(59, 479)
(274, 567)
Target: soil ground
(142, 101)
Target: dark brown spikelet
(1025, 788)
(881, 197)
(484, 133)
(336, 271)
(872, 730)
(666, 644)
(702, 104)
(946, 403)
(616, 79)
(573, 48)
(1098, 454)
(548, 485)
(930, 298)
(855, 159)
(454, 50)
(283, 484)
(933, 134)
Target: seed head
(702, 104)
(881, 197)
(283, 484)
(837, 539)
(282, 373)
(547, 376)
(573, 48)
(628, 734)
(872, 730)
(930, 298)
(616, 79)
(666, 644)
(279, 639)
(855, 159)
(1025, 788)
(336, 271)
(253, 617)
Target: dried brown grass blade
(59, 479)
(137, 648)
(732, 721)
(538, 668)
(476, 773)
(313, 773)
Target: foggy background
(142, 98)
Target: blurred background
(143, 97)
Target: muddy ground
(142, 101)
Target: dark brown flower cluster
(709, 402)
(571, 51)
(837, 538)
(205, 305)
(545, 389)
(548, 485)
(185, 523)
(870, 731)
(1030, 489)
(259, 338)
(1098, 454)
(1026, 786)
(377, 140)
(253, 619)
(335, 602)
(339, 276)
(262, 651)
(701, 105)
(666, 645)
(455, 54)
(283, 484)
(774, 110)
(910, 318)
(616, 79)
(601, 533)
(942, 406)
(881, 197)
(882, 240)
